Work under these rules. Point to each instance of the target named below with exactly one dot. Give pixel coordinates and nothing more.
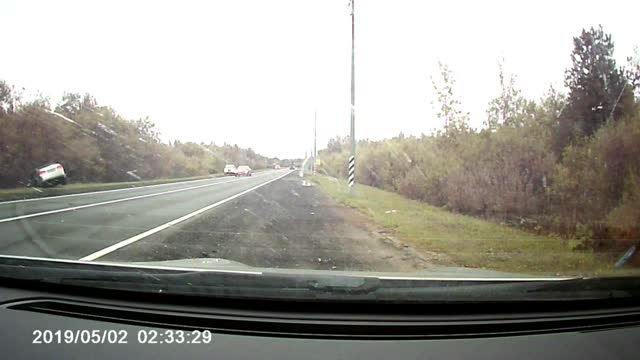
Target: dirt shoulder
(445, 238)
(286, 224)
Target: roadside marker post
(352, 171)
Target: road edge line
(133, 239)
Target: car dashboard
(40, 323)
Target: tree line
(96, 144)
(568, 163)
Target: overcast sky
(252, 72)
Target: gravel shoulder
(287, 224)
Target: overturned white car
(48, 175)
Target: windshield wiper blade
(615, 286)
(278, 285)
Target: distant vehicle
(229, 169)
(292, 167)
(276, 166)
(243, 170)
(48, 175)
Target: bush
(512, 174)
(98, 145)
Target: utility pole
(13, 98)
(315, 140)
(352, 158)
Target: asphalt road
(273, 219)
(73, 227)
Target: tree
(632, 71)
(598, 90)
(73, 103)
(446, 104)
(337, 144)
(98, 144)
(69, 105)
(551, 106)
(8, 99)
(510, 108)
(147, 130)
(40, 101)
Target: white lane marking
(102, 191)
(116, 190)
(114, 201)
(133, 266)
(150, 232)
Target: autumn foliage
(95, 144)
(567, 164)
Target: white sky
(252, 72)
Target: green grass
(466, 240)
(73, 188)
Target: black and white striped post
(352, 171)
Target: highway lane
(16, 208)
(83, 225)
(287, 224)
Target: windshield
(375, 139)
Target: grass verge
(74, 188)
(468, 241)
